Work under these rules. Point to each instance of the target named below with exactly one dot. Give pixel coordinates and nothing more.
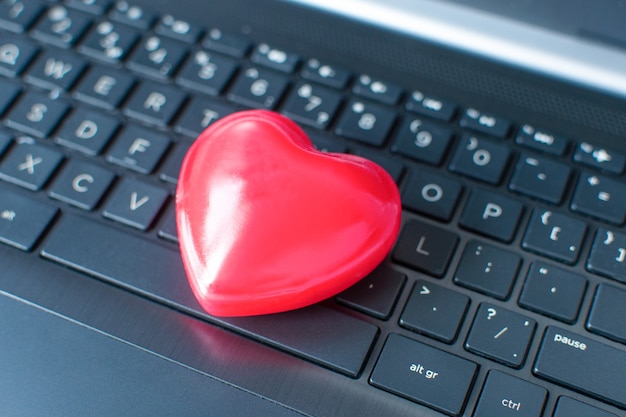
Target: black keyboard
(504, 293)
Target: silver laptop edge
(516, 43)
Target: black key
(376, 89)
(15, 54)
(171, 168)
(501, 335)
(18, 15)
(157, 57)
(601, 197)
(131, 14)
(87, 131)
(554, 235)
(81, 184)
(424, 374)
(104, 87)
(426, 248)
(503, 395)
(600, 158)
(553, 291)
(135, 203)
(326, 144)
(109, 41)
(431, 194)
(541, 178)
(178, 29)
(36, 114)
(582, 364)
(366, 122)
(274, 58)
(541, 140)
(168, 229)
(30, 165)
(376, 294)
(9, 92)
(430, 106)
(326, 74)
(61, 26)
(423, 141)
(154, 103)
(206, 72)
(393, 166)
(56, 70)
(487, 269)
(199, 114)
(434, 311)
(492, 214)
(157, 272)
(95, 7)
(226, 43)
(481, 159)
(258, 88)
(23, 220)
(567, 407)
(312, 105)
(608, 255)
(485, 123)
(138, 148)
(607, 313)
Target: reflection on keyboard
(512, 247)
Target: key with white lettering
(15, 54)
(485, 123)
(104, 87)
(108, 41)
(30, 165)
(504, 395)
(608, 255)
(87, 131)
(17, 15)
(55, 69)
(582, 364)
(492, 214)
(154, 103)
(601, 197)
(36, 114)
(61, 26)
(206, 72)
(157, 57)
(136, 204)
(481, 159)
(199, 114)
(138, 148)
(424, 374)
(81, 184)
(431, 194)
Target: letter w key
(135, 203)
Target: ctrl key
(424, 374)
(504, 395)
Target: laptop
(502, 123)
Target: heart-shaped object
(267, 223)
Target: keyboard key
(81, 184)
(23, 220)
(393, 166)
(206, 72)
(607, 313)
(366, 122)
(423, 141)
(15, 54)
(582, 364)
(36, 114)
(157, 57)
(327, 74)
(608, 255)
(18, 15)
(108, 41)
(431, 194)
(258, 88)
(138, 148)
(540, 178)
(199, 114)
(478, 121)
(56, 70)
(312, 105)
(171, 168)
(154, 103)
(600, 158)
(276, 59)
(503, 395)
(87, 131)
(104, 87)
(95, 7)
(131, 14)
(426, 248)
(601, 197)
(61, 26)
(487, 269)
(226, 43)
(481, 159)
(540, 140)
(554, 292)
(567, 407)
(554, 235)
(135, 203)
(492, 214)
(376, 294)
(434, 311)
(501, 335)
(430, 106)
(9, 92)
(30, 165)
(326, 144)
(178, 29)
(376, 89)
(424, 374)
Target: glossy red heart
(267, 223)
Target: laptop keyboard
(511, 255)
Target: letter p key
(492, 210)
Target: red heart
(267, 223)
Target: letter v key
(134, 203)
